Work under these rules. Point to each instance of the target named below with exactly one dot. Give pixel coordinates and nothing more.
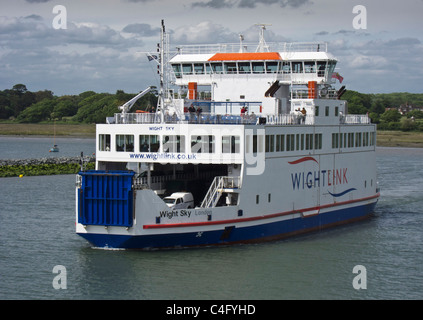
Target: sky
(101, 45)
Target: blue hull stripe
(231, 234)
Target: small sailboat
(55, 148)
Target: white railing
(355, 119)
(216, 190)
(211, 118)
(290, 119)
(251, 47)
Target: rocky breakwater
(44, 166)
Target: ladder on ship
(219, 185)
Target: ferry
(248, 143)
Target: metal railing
(251, 47)
(216, 190)
(251, 119)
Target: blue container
(106, 198)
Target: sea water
(41, 257)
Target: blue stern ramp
(106, 198)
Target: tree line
(21, 105)
(384, 109)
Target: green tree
(37, 112)
(391, 115)
(95, 108)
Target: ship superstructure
(255, 134)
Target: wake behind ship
(254, 145)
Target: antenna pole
(262, 43)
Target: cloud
(141, 29)
(85, 56)
(26, 33)
(37, 1)
(219, 4)
(203, 32)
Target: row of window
(170, 143)
(353, 139)
(286, 67)
(293, 142)
(231, 143)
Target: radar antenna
(262, 47)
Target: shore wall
(43, 166)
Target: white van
(180, 200)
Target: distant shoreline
(43, 130)
(384, 138)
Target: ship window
(280, 142)
(358, 139)
(208, 68)
(350, 139)
(271, 67)
(257, 199)
(104, 142)
(199, 68)
(269, 197)
(258, 143)
(297, 142)
(335, 140)
(270, 143)
(174, 143)
(290, 142)
(365, 139)
(258, 67)
(316, 111)
(336, 111)
(149, 143)
(297, 67)
(244, 67)
(326, 111)
(285, 67)
(331, 67)
(341, 139)
(318, 137)
(302, 141)
(187, 68)
(309, 141)
(309, 67)
(202, 144)
(321, 67)
(125, 142)
(230, 144)
(230, 67)
(217, 67)
(177, 70)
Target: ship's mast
(262, 43)
(161, 50)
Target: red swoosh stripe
(303, 160)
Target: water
(12, 147)
(37, 223)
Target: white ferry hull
(264, 229)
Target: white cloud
(98, 50)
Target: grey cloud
(142, 29)
(34, 17)
(218, 4)
(25, 33)
(37, 1)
